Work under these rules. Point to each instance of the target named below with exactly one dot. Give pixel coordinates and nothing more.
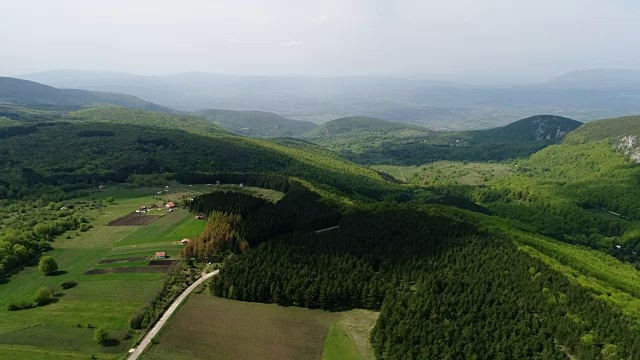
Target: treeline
(265, 181)
(238, 220)
(29, 227)
(444, 288)
(175, 282)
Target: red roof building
(170, 205)
(161, 255)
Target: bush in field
(68, 284)
(19, 306)
(135, 322)
(101, 335)
(48, 265)
(42, 296)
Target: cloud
(232, 41)
(296, 43)
(323, 19)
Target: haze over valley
(336, 180)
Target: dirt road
(167, 314)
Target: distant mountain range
(29, 93)
(582, 95)
(38, 96)
(597, 79)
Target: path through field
(167, 314)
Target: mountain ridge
(30, 93)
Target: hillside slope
(583, 190)
(29, 93)
(257, 123)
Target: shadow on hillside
(58, 273)
(111, 343)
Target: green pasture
(64, 329)
(171, 227)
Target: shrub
(42, 296)
(101, 335)
(68, 284)
(135, 322)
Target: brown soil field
(128, 270)
(162, 262)
(131, 259)
(207, 327)
(133, 219)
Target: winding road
(167, 314)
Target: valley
(419, 222)
(319, 180)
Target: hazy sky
(500, 40)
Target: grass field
(169, 228)
(348, 338)
(64, 329)
(449, 173)
(207, 327)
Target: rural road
(167, 314)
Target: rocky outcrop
(545, 132)
(630, 146)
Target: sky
(459, 40)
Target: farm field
(207, 327)
(449, 172)
(64, 329)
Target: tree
(110, 199)
(101, 335)
(48, 265)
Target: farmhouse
(170, 205)
(161, 255)
(201, 217)
(185, 241)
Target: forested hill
(379, 142)
(69, 151)
(257, 123)
(535, 128)
(33, 94)
(622, 133)
(356, 125)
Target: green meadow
(64, 328)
